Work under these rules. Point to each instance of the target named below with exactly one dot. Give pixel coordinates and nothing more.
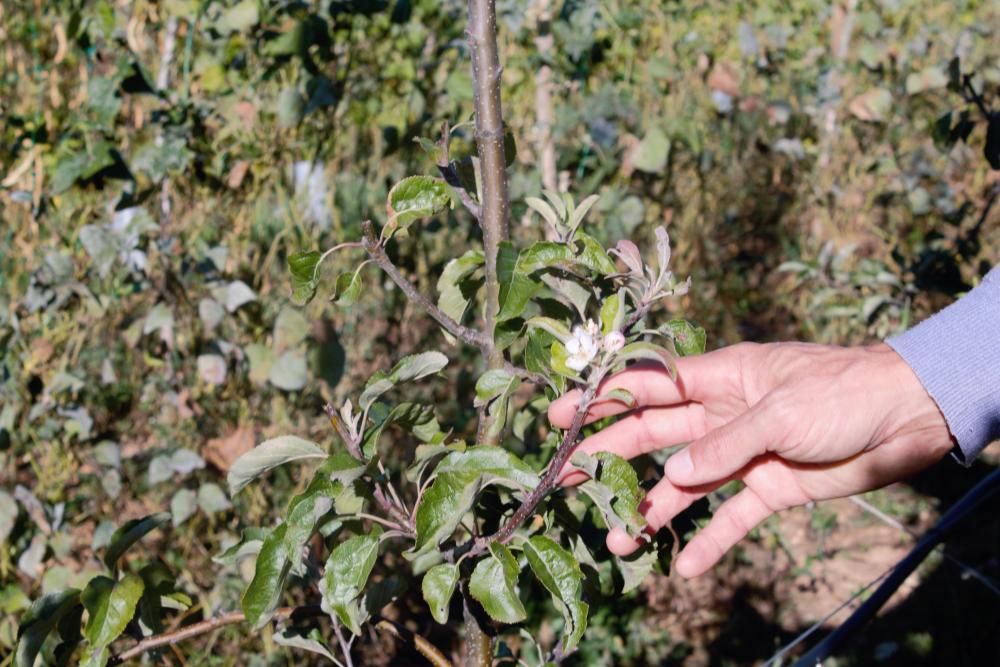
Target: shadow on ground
(949, 619)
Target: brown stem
(377, 254)
(420, 643)
(486, 70)
(549, 480)
(208, 625)
(478, 644)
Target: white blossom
(583, 345)
(614, 341)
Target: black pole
(969, 502)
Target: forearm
(956, 355)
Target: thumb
(726, 450)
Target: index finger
(698, 377)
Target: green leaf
(438, 586)
(416, 197)
(38, 622)
(249, 544)
(496, 392)
(304, 267)
(545, 254)
(688, 339)
(594, 256)
(404, 415)
(623, 396)
(559, 572)
(497, 463)
(130, 533)
(443, 505)
(267, 455)
(493, 585)
(347, 289)
(517, 287)
(455, 288)
(651, 154)
(281, 551)
(581, 211)
(345, 575)
(636, 567)
(546, 211)
(491, 384)
(643, 351)
(612, 313)
(313, 642)
(614, 490)
(519, 292)
(110, 607)
(413, 367)
(553, 326)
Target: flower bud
(614, 341)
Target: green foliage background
(152, 187)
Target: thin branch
(421, 644)
(377, 253)
(549, 480)
(208, 625)
(345, 646)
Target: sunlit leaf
(282, 549)
(110, 606)
(414, 198)
(615, 491)
(559, 572)
(345, 575)
(688, 339)
(304, 269)
(267, 455)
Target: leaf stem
(345, 646)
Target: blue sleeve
(956, 355)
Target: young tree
(555, 315)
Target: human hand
(795, 422)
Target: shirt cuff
(956, 356)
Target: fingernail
(679, 466)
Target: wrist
(911, 412)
